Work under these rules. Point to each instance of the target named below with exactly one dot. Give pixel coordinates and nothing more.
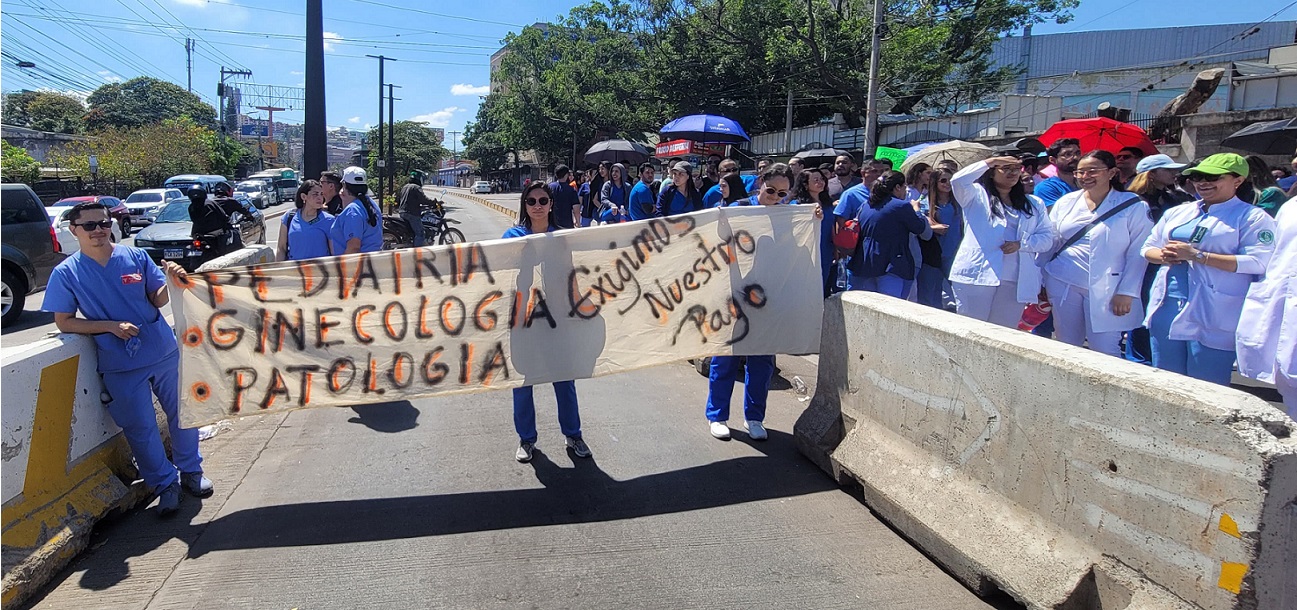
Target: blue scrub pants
(931, 282)
(131, 408)
(888, 284)
(756, 386)
(524, 411)
(1186, 357)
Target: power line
(442, 15)
(91, 38)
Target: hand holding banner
(566, 305)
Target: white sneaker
(756, 430)
(720, 430)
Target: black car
(31, 249)
(169, 238)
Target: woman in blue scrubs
(883, 260)
(811, 187)
(1210, 251)
(304, 232)
(118, 291)
(536, 215)
(757, 370)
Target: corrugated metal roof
(1056, 54)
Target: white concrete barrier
(66, 464)
(1066, 478)
(251, 255)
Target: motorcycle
(398, 234)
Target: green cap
(1220, 163)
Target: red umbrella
(1100, 133)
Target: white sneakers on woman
(755, 429)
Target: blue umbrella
(705, 128)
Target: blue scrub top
(522, 231)
(308, 239)
(353, 222)
(1177, 275)
(885, 240)
(713, 197)
(642, 203)
(750, 182)
(118, 291)
(850, 202)
(1052, 189)
(565, 198)
(679, 203)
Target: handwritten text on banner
(411, 323)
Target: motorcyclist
(213, 220)
(412, 201)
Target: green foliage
(621, 68)
(145, 101)
(46, 111)
(17, 165)
(415, 147)
(145, 156)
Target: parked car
(58, 214)
(168, 238)
(145, 204)
(481, 186)
(31, 250)
(117, 210)
(261, 196)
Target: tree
(415, 147)
(487, 139)
(45, 111)
(17, 165)
(145, 156)
(143, 101)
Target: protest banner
(574, 304)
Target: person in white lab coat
(1267, 330)
(1210, 251)
(1096, 271)
(994, 272)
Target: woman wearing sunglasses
(1209, 252)
(536, 215)
(757, 370)
(939, 250)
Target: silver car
(146, 203)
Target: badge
(132, 278)
(1265, 237)
(1198, 233)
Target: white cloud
(328, 37)
(354, 120)
(109, 77)
(296, 72)
(462, 89)
(440, 118)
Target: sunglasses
(94, 224)
(1205, 177)
(532, 201)
(770, 190)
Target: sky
(442, 49)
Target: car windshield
(144, 198)
(67, 203)
(249, 188)
(174, 212)
(183, 187)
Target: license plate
(173, 253)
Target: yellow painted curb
(490, 204)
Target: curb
(490, 204)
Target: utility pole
(788, 122)
(270, 130)
(315, 148)
(189, 64)
(391, 138)
(454, 156)
(379, 161)
(871, 101)
(220, 92)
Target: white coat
(1117, 261)
(1215, 302)
(979, 259)
(1267, 330)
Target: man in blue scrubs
(642, 200)
(1064, 154)
(713, 198)
(567, 205)
(118, 291)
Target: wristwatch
(1200, 256)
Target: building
(1138, 69)
(38, 144)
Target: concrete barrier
(66, 464)
(486, 202)
(1065, 478)
(251, 255)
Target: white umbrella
(959, 151)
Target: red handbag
(848, 236)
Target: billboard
(439, 134)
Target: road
(422, 505)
